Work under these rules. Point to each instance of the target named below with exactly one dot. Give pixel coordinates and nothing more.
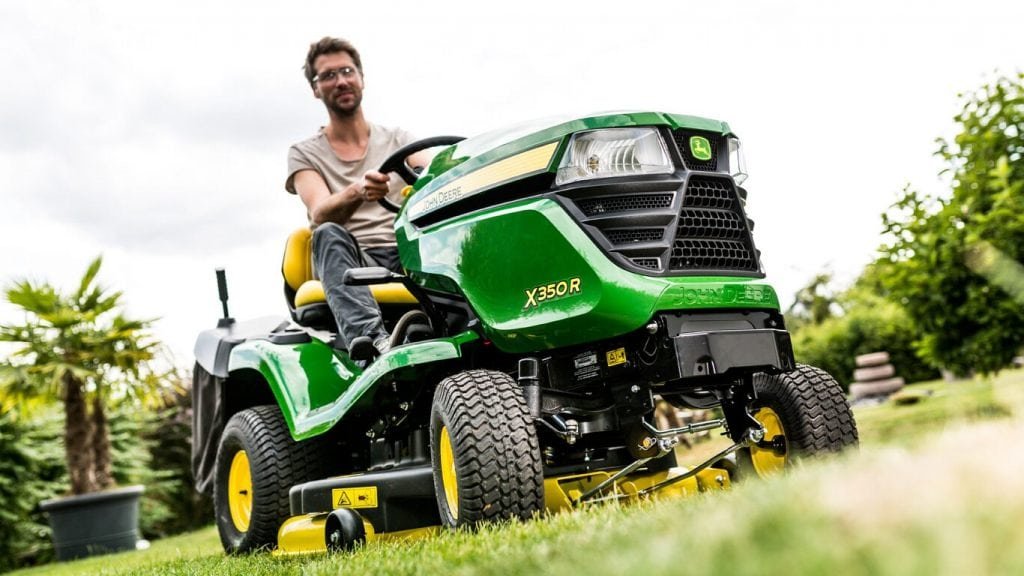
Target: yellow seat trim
(393, 293)
(312, 292)
(297, 266)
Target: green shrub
(149, 448)
(170, 438)
(32, 470)
(870, 324)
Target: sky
(155, 133)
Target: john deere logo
(700, 148)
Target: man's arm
(326, 207)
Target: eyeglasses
(331, 76)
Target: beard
(344, 110)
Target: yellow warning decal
(616, 357)
(363, 497)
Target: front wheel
(484, 449)
(804, 414)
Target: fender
(213, 347)
(315, 385)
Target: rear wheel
(804, 414)
(257, 463)
(484, 449)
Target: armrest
(370, 275)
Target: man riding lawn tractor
(556, 280)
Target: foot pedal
(419, 333)
(362, 348)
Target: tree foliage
(954, 263)
(814, 303)
(865, 322)
(79, 349)
(148, 447)
(32, 470)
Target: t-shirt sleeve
(404, 137)
(297, 162)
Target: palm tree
(77, 348)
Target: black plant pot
(97, 523)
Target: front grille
(698, 229)
(705, 192)
(712, 233)
(595, 206)
(634, 236)
(682, 139)
(710, 224)
(649, 263)
(710, 255)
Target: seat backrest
(297, 265)
(301, 291)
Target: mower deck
(385, 500)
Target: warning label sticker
(616, 357)
(363, 497)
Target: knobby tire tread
(497, 453)
(813, 408)
(277, 462)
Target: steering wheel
(396, 162)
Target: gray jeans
(335, 250)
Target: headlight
(737, 164)
(613, 152)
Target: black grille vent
(649, 263)
(699, 229)
(682, 138)
(632, 236)
(711, 255)
(712, 233)
(714, 224)
(703, 192)
(595, 206)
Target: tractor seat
(305, 294)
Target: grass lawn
(935, 489)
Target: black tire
(276, 462)
(813, 413)
(343, 530)
(493, 450)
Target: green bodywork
(479, 151)
(498, 258)
(315, 386)
(495, 257)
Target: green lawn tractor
(561, 278)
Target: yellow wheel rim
(448, 478)
(240, 491)
(766, 460)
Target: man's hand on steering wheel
(374, 186)
(397, 162)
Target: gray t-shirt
(371, 224)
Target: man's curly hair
(329, 45)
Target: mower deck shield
(714, 353)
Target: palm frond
(33, 299)
(87, 279)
